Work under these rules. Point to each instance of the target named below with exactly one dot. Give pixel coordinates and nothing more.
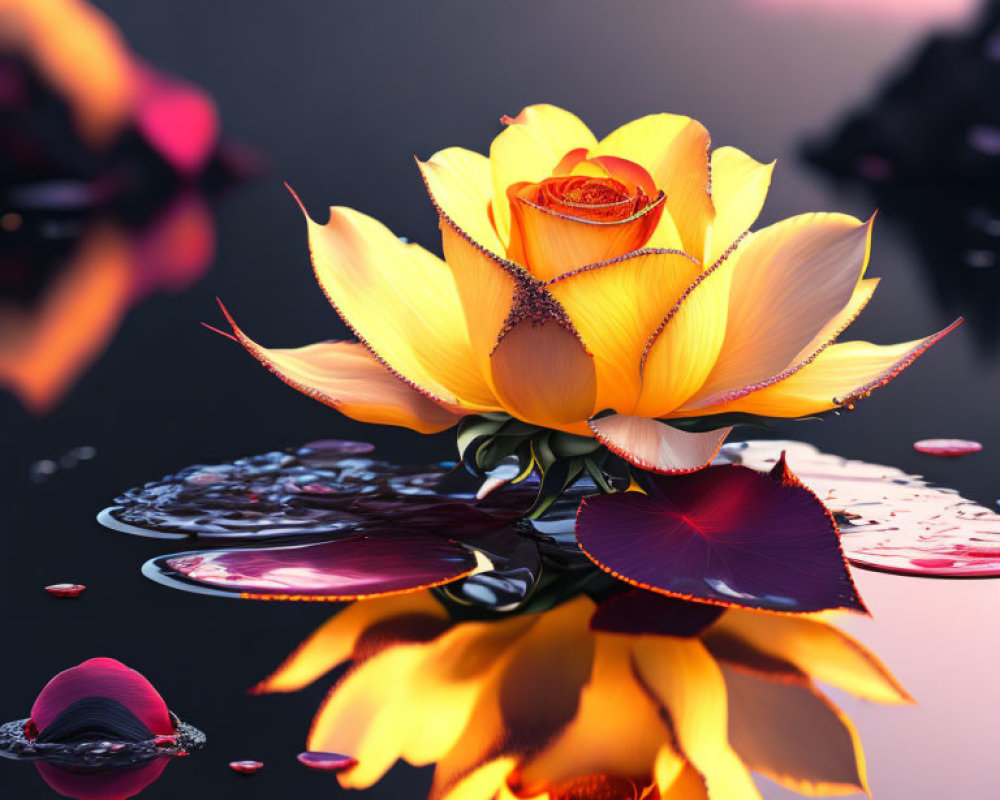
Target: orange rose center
(598, 199)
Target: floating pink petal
(949, 448)
(66, 589)
(246, 767)
(725, 535)
(890, 520)
(327, 762)
(103, 677)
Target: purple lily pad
(889, 520)
(360, 566)
(726, 535)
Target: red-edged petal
(726, 535)
(640, 612)
(656, 446)
(372, 565)
(103, 677)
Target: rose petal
(344, 569)
(725, 535)
(103, 677)
(739, 187)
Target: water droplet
(246, 767)
(948, 448)
(980, 259)
(66, 589)
(43, 469)
(328, 762)
(985, 139)
(11, 222)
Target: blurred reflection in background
(927, 147)
(542, 703)
(105, 164)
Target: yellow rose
(600, 288)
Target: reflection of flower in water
(544, 703)
(46, 345)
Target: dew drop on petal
(327, 762)
(246, 767)
(948, 448)
(66, 589)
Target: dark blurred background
(338, 97)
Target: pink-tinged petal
(103, 677)
(724, 535)
(838, 376)
(178, 119)
(793, 735)
(551, 244)
(372, 565)
(542, 373)
(893, 521)
(634, 292)
(639, 612)
(112, 784)
(655, 446)
(345, 376)
(789, 281)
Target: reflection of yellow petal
(347, 377)
(838, 376)
(604, 738)
(460, 183)
(795, 736)
(687, 682)
(739, 186)
(616, 307)
(674, 149)
(334, 642)
(789, 280)
(529, 148)
(819, 650)
(682, 353)
(402, 301)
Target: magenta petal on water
(725, 535)
(889, 520)
(641, 612)
(103, 677)
(326, 762)
(361, 566)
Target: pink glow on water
(948, 448)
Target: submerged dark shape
(99, 731)
(927, 147)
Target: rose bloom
(544, 706)
(601, 288)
